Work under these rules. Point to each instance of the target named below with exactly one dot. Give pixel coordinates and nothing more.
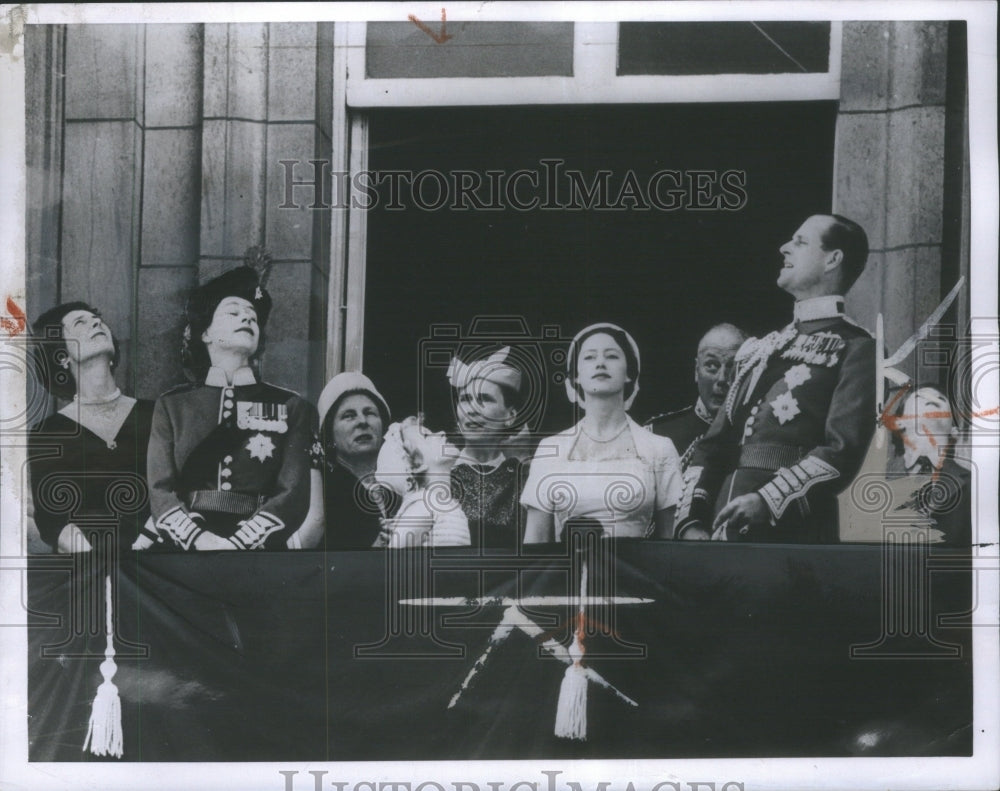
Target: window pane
(474, 49)
(723, 47)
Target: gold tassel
(571, 712)
(104, 734)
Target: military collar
(242, 377)
(828, 307)
(702, 411)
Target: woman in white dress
(607, 468)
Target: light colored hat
(408, 450)
(571, 361)
(930, 427)
(490, 369)
(350, 382)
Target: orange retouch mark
(582, 622)
(18, 321)
(893, 422)
(440, 37)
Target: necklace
(104, 417)
(99, 399)
(614, 436)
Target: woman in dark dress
(353, 419)
(87, 461)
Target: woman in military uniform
(229, 455)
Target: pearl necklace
(102, 416)
(100, 399)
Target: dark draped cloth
(727, 649)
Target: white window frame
(594, 81)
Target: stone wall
(154, 154)
(890, 165)
(154, 166)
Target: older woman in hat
(229, 455)
(91, 454)
(353, 419)
(607, 469)
(488, 476)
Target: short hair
(623, 340)
(50, 361)
(724, 327)
(850, 238)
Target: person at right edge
(800, 413)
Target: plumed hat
(490, 369)
(246, 282)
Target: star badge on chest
(261, 447)
(785, 407)
(797, 375)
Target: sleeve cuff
(253, 532)
(791, 483)
(149, 530)
(180, 526)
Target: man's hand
(743, 513)
(71, 540)
(142, 541)
(695, 532)
(209, 541)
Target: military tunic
(231, 459)
(683, 427)
(795, 427)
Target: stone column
(171, 198)
(889, 167)
(102, 176)
(45, 69)
(265, 100)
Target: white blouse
(621, 482)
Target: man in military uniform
(713, 371)
(800, 413)
(229, 456)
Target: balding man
(713, 371)
(800, 413)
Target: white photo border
(981, 771)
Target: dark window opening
(664, 275)
(723, 47)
